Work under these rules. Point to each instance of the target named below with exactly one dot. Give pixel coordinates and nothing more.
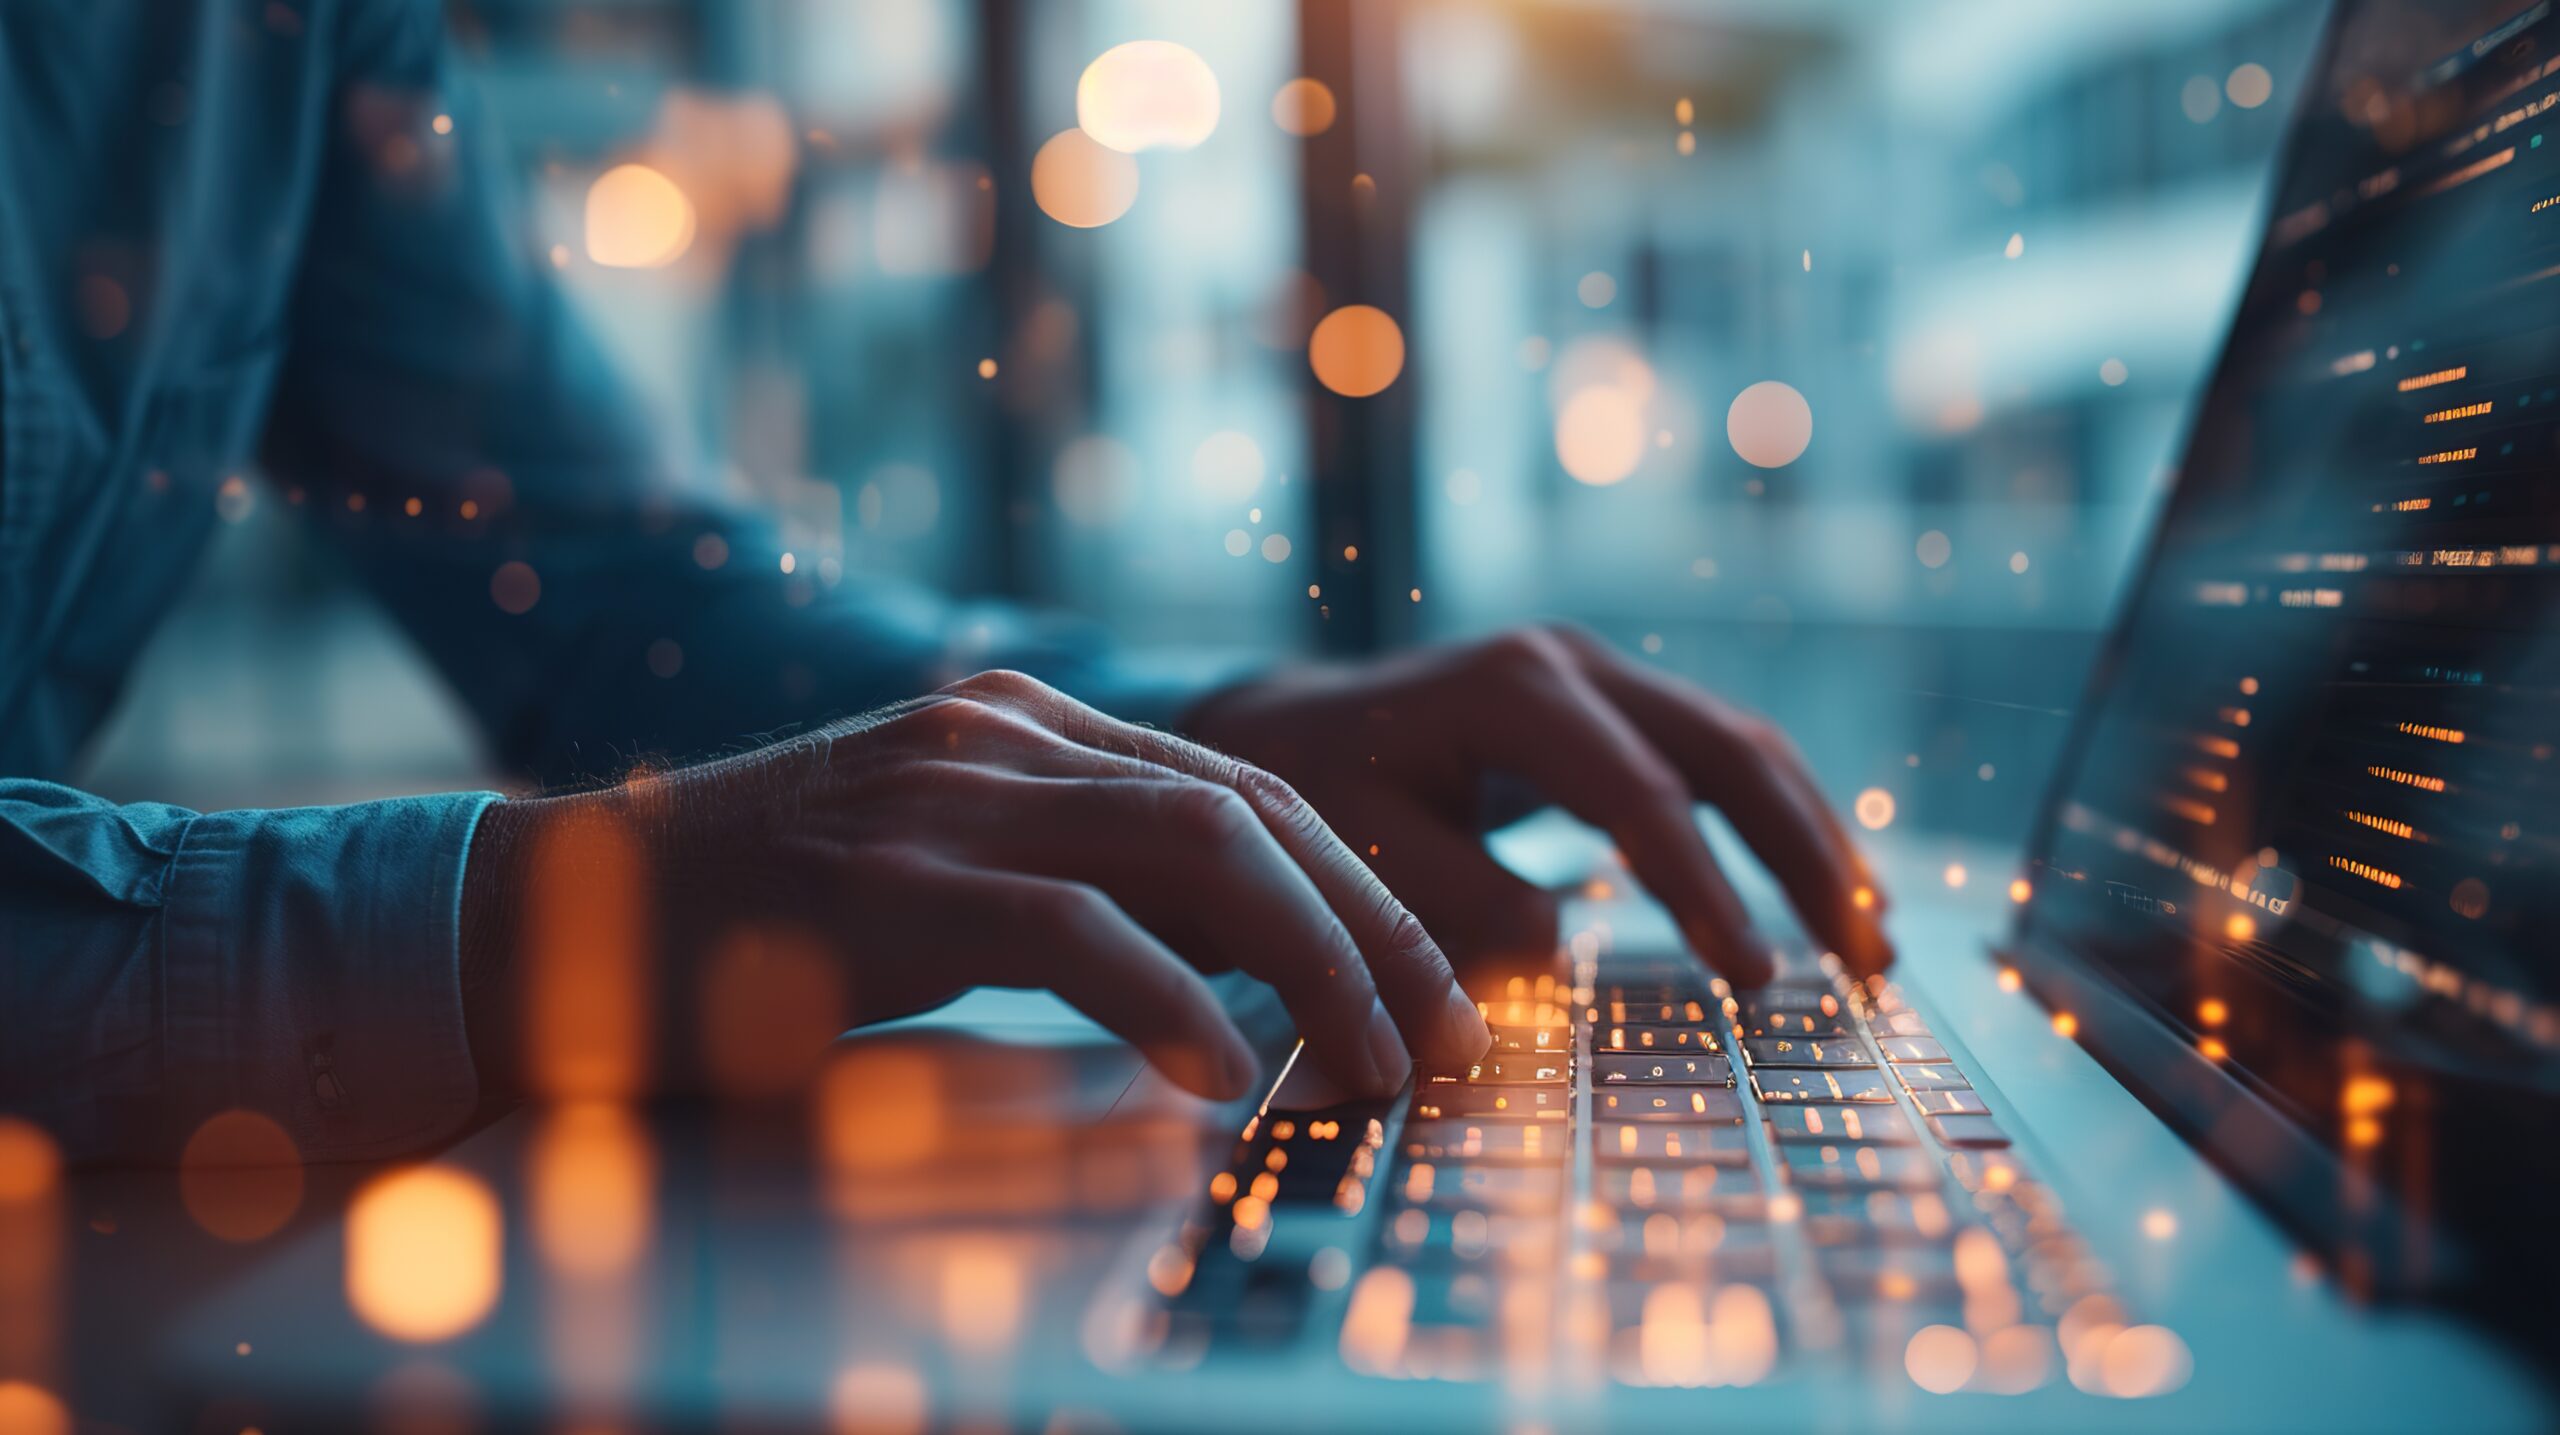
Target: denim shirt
(275, 233)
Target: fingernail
(1464, 1026)
(1387, 1049)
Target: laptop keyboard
(1654, 1180)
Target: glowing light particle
(423, 1249)
(1873, 809)
(1596, 290)
(2213, 1011)
(2015, 248)
(2020, 890)
(240, 1176)
(2112, 373)
(1080, 183)
(1600, 434)
(1955, 874)
(986, 368)
(1303, 107)
(2249, 85)
(1940, 1358)
(1356, 350)
(2018, 561)
(2065, 1025)
(2159, 1223)
(2200, 98)
(1934, 549)
(29, 1409)
(1769, 424)
(515, 588)
(1275, 549)
(637, 219)
(1147, 94)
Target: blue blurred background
(1990, 243)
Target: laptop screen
(2310, 820)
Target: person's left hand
(1394, 753)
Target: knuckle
(1005, 685)
(1208, 814)
(1523, 651)
(1067, 909)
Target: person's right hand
(999, 833)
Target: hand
(999, 833)
(1394, 754)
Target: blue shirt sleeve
(590, 602)
(167, 965)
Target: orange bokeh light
(878, 1399)
(591, 1178)
(240, 1176)
(1303, 107)
(1600, 434)
(637, 218)
(1080, 183)
(29, 1162)
(424, 1253)
(771, 1001)
(1357, 350)
(30, 1409)
(586, 954)
(1147, 94)
(1873, 809)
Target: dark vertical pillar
(1007, 448)
(1357, 194)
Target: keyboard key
(1978, 1131)
(1638, 1037)
(1418, 1235)
(1669, 1011)
(1837, 1166)
(1491, 1187)
(1555, 1037)
(1669, 1143)
(1888, 1273)
(1517, 1141)
(1493, 1103)
(1521, 1069)
(1805, 1015)
(1757, 1263)
(1773, 1083)
(1988, 1172)
(1931, 1076)
(1950, 1102)
(1668, 1103)
(1730, 1191)
(1898, 1049)
(1794, 1051)
(1667, 1069)
(1851, 1216)
(1813, 1122)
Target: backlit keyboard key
(1931, 1076)
(1493, 1103)
(1616, 1069)
(1524, 1141)
(1669, 1143)
(1555, 1037)
(1900, 1049)
(1667, 1103)
(1832, 1166)
(1521, 1069)
(1493, 1187)
(1731, 1191)
(1801, 1051)
(1778, 1083)
(1950, 1102)
(1634, 1036)
(1810, 1122)
(1979, 1131)
(1851, 1217)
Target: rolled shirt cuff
(311, 971)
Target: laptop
(2246, 1122)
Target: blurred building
(1988, 244)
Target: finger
(1758, 781)
(1483, 916)
(1551, 725)
(1195, 864)
(1014, 930)
(1436, 1019)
